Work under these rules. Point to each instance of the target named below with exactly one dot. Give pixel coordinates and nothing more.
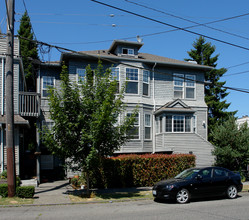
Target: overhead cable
(170, 25)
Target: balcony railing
(29, 104)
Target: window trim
(184, 85)
(129, 80)
(148, 126)
(138, 126)
(53, 79)
(78, 77)
(148, 83)
(184, 123)
(128, 49)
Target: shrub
(4, 174)
(139, 170)
(74, 181)
(25, 191)
(4, 190)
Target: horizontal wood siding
(186, 143)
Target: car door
(220, 180)
(203, 184)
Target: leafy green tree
(29, 51)
(231, 145)
(86, 119)
(214, 93)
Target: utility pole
(11, 171)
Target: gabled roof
(174, 106)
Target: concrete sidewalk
(57, 192)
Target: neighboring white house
(243, 120)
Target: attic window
(128, 51)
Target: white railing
(29, 104)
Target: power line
(125, 64)
(241, 64)
(170, 25)
(194, 22)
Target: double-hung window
(184, 86)
(190, 86)
(146, 81)
(47, 83)
(80, 75)
(132, 81)
(178, 86)
(134, 132)
(147, 125)
(115, 76)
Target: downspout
(154, 109)
(2, 149)
(2, 89)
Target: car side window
(220, 172)
(206, 173)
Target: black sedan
(199, 182)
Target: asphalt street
(218, 209)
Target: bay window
(178, 123)
(132, 81)
(146, 78)
(134, 132)
(147, 125)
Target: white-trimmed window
(80, 75)
(132, 81)
(115, 75)
(47, 83)
(178, 123)
(147, 126)
(146, 82)
(134, 132)
(128, 51)
(184, 86)
(190, 86)
(178, 85)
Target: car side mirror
(199, 177)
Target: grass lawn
(118, 196)
(15, 201)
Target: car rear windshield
(187, 174)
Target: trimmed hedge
(139, 170)
(25, 191)
(4, 190)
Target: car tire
(182, 196)
(232, 192)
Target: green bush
(4, 190)
(4, 174)
(25, 191)
(139, 170)
(74, 181)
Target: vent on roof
(192, 61)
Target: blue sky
(85, 25)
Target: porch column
(38, 154)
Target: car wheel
(182, 196)
(232, 192)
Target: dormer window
(128, 51)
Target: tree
(231, 145)
(86, 119)
(29, 51)
(214, 93)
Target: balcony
(29, 104)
